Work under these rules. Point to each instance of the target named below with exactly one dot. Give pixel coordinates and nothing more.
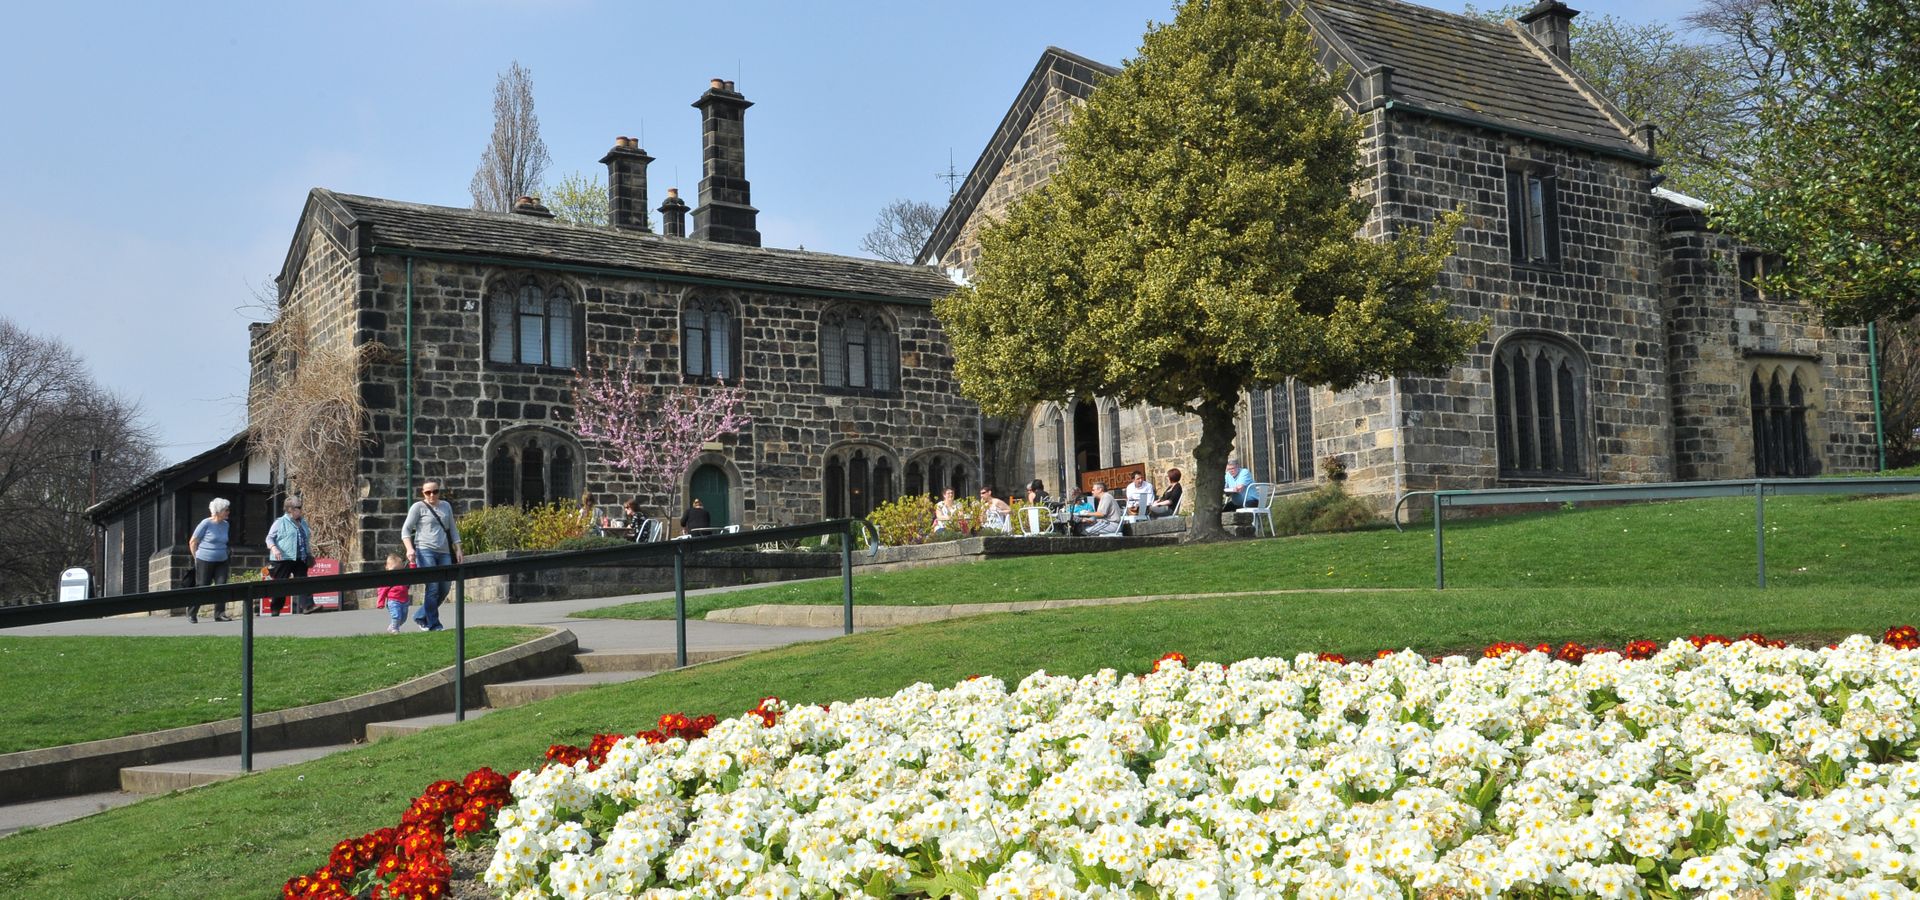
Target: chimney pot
(717, 84)
(673, 215)
(531, 206)
(730, 89)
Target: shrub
(493, 528)
(590, 542)
(907, 520)
(553, 523)
(1328, 508)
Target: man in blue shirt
(1239, 486)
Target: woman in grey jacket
(431, 539)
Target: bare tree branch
(901, 229)
(516, 158)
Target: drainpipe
(407, 485)
(1873, 368)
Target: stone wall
(462, 400)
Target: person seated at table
(1238, 488)
(946, 513)
(631, 511)
(1104, 520)
(994, 512)
(696, 519)
(1139, 494)
(1169, 502)
(1037, 493)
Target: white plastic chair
(1260, 503)
(1035, 521)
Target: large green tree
(1200, 238)
(1830, 178)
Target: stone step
(175, 776)
(42, 813)
(397, 727)
(520, 693)
(647, 660)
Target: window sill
(1538, 267)
(1524, 479)
(527, 368)
(859, 392)
(729, 381)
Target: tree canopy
(1829, 180)
(1201, 237)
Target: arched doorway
(1086, 440)
(709, 486)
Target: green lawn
(245, 837)
(63, 690)
(1811, 542)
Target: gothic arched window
(709, 339)
(1777, 395)
(1540, 408)
(530, 467)
(531, 324)
(858, 350)
(944, 470)
(857, 479)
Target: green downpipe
(408, 486)
(1873, 366)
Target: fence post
(680, 606)
(1439, 542)
(246, 684)
(460, 643)
(1760, 528)
(846, 576)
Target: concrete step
(521, 693)
(614, 660)
(42, 813)
(397, 727)
(175, 776)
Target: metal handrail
(1758, 488)
(458, 573)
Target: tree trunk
(1210, 468)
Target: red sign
(325, 566)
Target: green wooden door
(710, 488)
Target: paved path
(595, 634)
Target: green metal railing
(1757, 488)
(248, 593)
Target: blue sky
(162, 151)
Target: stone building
(484, 317)
(1625, 342)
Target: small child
(394, 596)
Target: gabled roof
(391, 226)
(1444, 65)
(1452, 64)
(1069, 72)
(186, 471)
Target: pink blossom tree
(653, 431)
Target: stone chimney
(726, 212)
(627, 184)
(530, 206)
(1551, 23)
(673, 215)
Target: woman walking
(209, 547)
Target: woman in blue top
(210, 556)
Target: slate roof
(1458, 64)
(193, 468)
(1446, 65)
(394, 225)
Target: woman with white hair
(210, 551)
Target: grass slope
(245, 837)
(64, 690)
(1811, 541)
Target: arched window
(858, 350)
(709, 339)
(532, 466)
(1540, 408)
(857, 479)
(916, 483)
(1280, 439)
(944, 470)
(530, 324)
(1778, 399)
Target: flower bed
(1709, 765)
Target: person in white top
(994, 512)
(1139, 494)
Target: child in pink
(394, 596)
